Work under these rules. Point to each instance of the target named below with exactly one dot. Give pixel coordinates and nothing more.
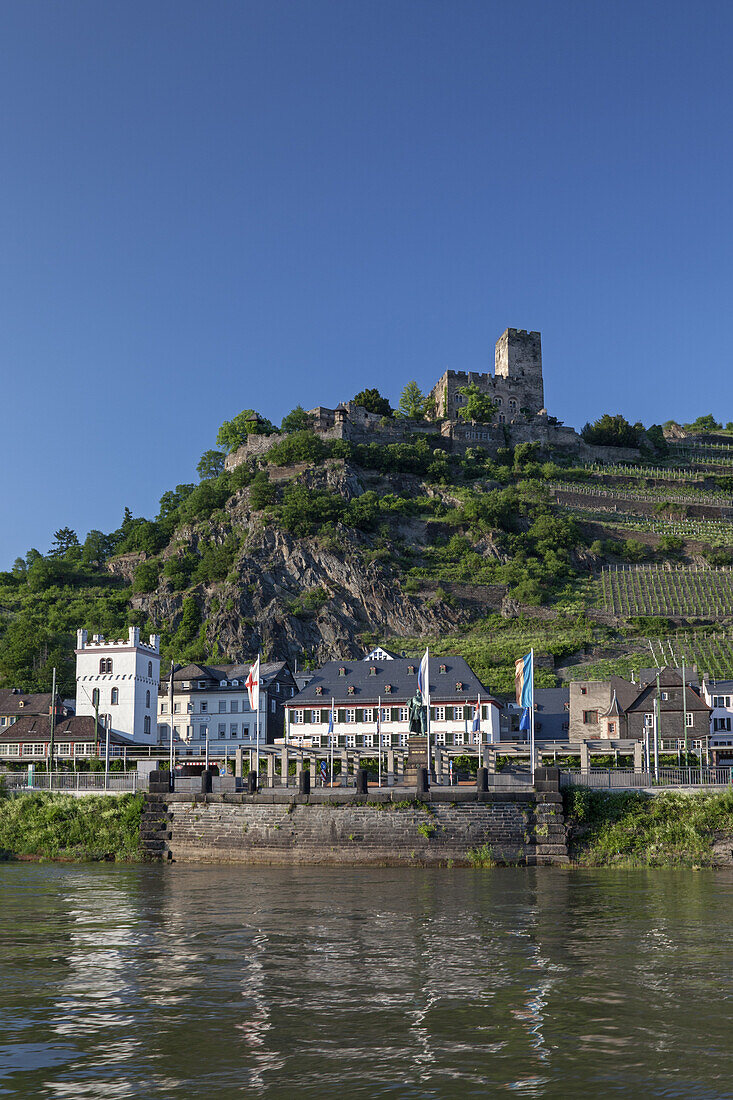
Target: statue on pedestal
(416, 716)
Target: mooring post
(362, 786)
(638, 757)
(584, 757)
(423, 784)
(438, 764)
(284, 765)
(238, 761)
(252, 782)
(390, 767)
(482, 780)
(344, 768)
(271, 769)
(304, 781)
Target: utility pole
(684, 708)
(53, 729)
(657, 728)
(171, 760)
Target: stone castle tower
(516, 387)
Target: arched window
(103, 665)
(146, 724)
(147, 698)
(95, 697)
(150, 672)
(114, 696)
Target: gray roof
(14, 701)
(80, 728)
(370, 680)
(217, 673)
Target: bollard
(361, 781)
(159, 782)
(304, 782)
(252, 783)
(482, 780)
(206, 781)
(423, 785)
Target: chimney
(81, 639)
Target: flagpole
(531, 721)
(427, 692)
(379, 737)
(257, 749)
(332, 724)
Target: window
(273, 706)
(189, 707)
(402, 740)
(222, 729)
(176, 708)
(203, 732)
(222, 706)
(457, 714)
(648, 721)
(689, 719)
(150, 670)
(350, 740)
(245, 731)
(12, 750)
(163, 708)
(105, 666)
(114, 696)
(350, 715)
(204, 706)
(458, 738)
(611, 729)
(368, 740)
(440, 738)
(95, 697)
(369, 714)
(665, 696)
(440, 714)
(584, 691)
(386, 716)
(590, 717)
(387, 740)
(147, 699)
(297, 715)
(233, 729)
(146, 724)
(202, 683)
(277, 687)
(721, 701)
(234, 706)
(315, 716)
(721, 724)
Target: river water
(216, 982)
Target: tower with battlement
(516, 387)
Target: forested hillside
(317, 549)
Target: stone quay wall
(338, 827)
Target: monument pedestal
(417, 757)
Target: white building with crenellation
(120, 679)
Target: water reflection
(185, 981)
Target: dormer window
(459, 685)
(21, 703)
(372, 671)
(442, 668)
(319, 690)
(410, 670)
(351, 689)
(222, 683)
(342, 671)
(202, 683)
(388, 689)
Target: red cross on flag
(252, 684)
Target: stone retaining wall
(337, 827)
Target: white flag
(253, 685)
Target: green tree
(233, 433)
(211, 464)
(703, 424)
(479, 407)
(611, 431)
(20, 569)
(63, 540)
(298, 420)
(373, 402)
(146, 576)
(190, 622)
(261, 492)
(302, 446)
(413, 402)
(96, 549)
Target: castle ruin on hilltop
(516, 388)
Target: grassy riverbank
(633, 829)
(59, 826)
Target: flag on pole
(330, 721)
(252, 684)
(423, 679)
(524, 684)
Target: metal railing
(91, 782)
(628, 779)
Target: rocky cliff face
(288, 595)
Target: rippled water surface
(218, 982)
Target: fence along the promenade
(628, 779)
(92, 782)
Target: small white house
(120, 680)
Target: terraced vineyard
(684, 592)
(711, 531)
(711, 653)
(653, 494)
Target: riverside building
(118, 680)
(373, 688)
(211, 705)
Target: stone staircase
(155, 829)
(548, 834)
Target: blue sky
(213, 206)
